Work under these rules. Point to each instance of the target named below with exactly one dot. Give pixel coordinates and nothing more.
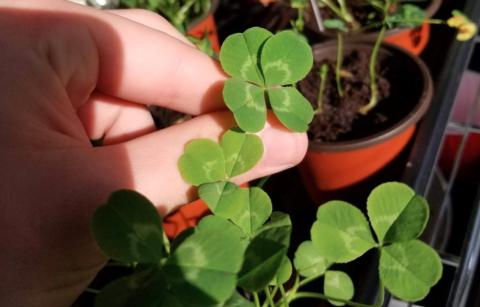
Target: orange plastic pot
(186, 216)
(334, 165)
(206, 25)
(414, 40)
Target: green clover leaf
(240, 54)
(284, 273)
(264, 68)
(247, 208)
(409, 269)
(205, 161)
(396, 212)
(265, 253)
(202, 271)
(145, 288)
(308, 262)
(338, 284)
(341, 232)
(128, 228)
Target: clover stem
(262, 181)
(166, 243)
(339, 64)
(323, 79)
(90, 290)
(269, 297)
(373, 77)
(256, 299)
(308, 280)
(284, 296)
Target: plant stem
(262, 181)
(308, 280)
(166, 243)
(334, 8)
(339, 64)
(284, 296)
(256, 299)
(269, 297)
(321, 91)
(90, 290)
(373, 74)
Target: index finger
(145, 65)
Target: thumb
(148, 164)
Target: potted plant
(368, 99)
(238, 255)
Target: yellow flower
(466, 31)
(456, 21)
(465, 27)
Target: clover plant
(238, 255)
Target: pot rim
(411, 119)
(213, 7)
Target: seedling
(238, 255)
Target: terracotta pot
(334, 165)
(206, 25)
(414, 40)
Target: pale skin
(69, 74)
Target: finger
(153, 158)
(141, 64)
(152, 20)
(114, 120)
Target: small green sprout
(321, 92)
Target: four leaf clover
(264, 68)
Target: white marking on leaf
(282, 69)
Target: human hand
(69, 74)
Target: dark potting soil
(339, 119)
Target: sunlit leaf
(247, 103)
(201, 162)
(240, 53)
(128, 228)
(338, 284)
(285, 59)
(308, 262)
(291, 108)
(394, 208)
(409, 269)
(241, 151)
(341, 232)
